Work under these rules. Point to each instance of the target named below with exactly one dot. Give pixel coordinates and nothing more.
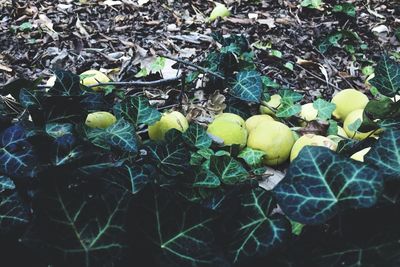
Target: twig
(316, 76)
(205, 70)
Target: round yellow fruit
(311, 140)
(220, 10)
(230, 132)
(168, 121)
(308, 113)
(347, 101)
(274, 102)
(100, 119)
(255, 120)
(93, 77)
(350, 119)
(360, 154)
(230, 117)
(274, 138)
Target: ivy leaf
(13, 212)
(347, 8)
(30, 98)
(182, 233)
(248, 86)
(17, 157)
(256, 232)
(385, 154)
(251, 156)
(290, 96)
(197, 136)
(56, 130)
(387, 77)
(171, 159)
(228, 169)
(66, 84)
(6, 183)
(131, 179)
(206, 179)
(324, 108)
(287, 109)
(120, 135)
(137, 110)
(320, 182)
(73, 228)
(65, 150)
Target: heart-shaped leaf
(17, 157)
(387, 77)
(256, 232)
(206, 178)
(78, 228)
(137, 110)
(324, 108)
(67, 84)
(252, 157)
(320, 182)
(248, 86)
(197, 136)
(385, 154)
(120, 135)
(171, 159)
(229, 170)
(30, 98)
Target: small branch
(316, 76)
(205, 70)
(139, 83)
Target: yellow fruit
(311, 140)
(100, 119)
(220, 10)
(255, 120)
(229, 131)
(230, 117)
(347, 101)
(350, 119)
(360, 154)
(274, 102)
(274, 138)
(168, 121)
(308, 113)
(93, 77)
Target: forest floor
(120, 37)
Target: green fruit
(360, 154)
(220, 10)
(347, 101)
(274, 102)
(255, 120)
(168, 121)
(100, 119)
(275, 139)
(230, 132)
(93, 77)
(350, 119)
(230, 117)
(311, 140)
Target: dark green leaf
(197, 136)
(30, 98)
(67, 84)
(387, 77)
(385, 154)
(137, 110)
(13, 212)
(228, 169)
(347, 8)
(56, 130)
(129, 178)
(171, 159)
(256, 232)
(80, 229)
(205, 178)
(248, 86)
(17, 157)
(320, 182)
